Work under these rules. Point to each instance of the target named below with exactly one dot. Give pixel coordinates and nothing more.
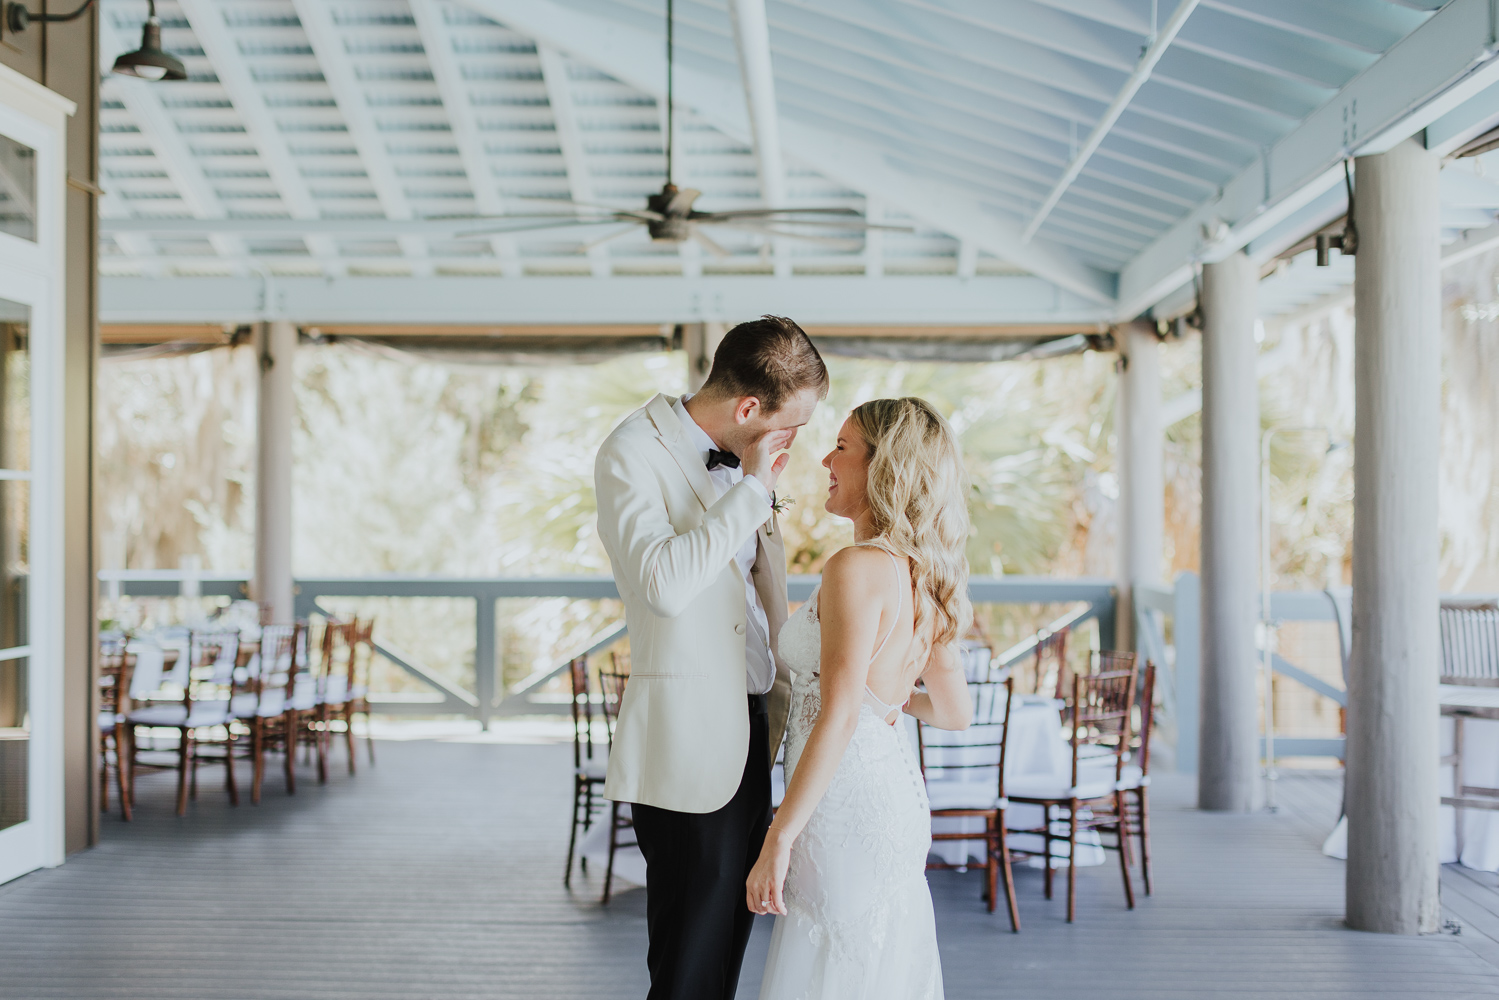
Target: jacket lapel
(674, 438)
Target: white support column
(1141, 477)
(273, 473)
(1228, 769)
(1392, 780)
(701, 342)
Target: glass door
(31, 526)
(15, 539)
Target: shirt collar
(699, 437)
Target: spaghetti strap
(873, 700)
(900, 597)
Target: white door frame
(32, 273)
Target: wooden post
(701, 342)
(1228, 766)
(1392, 785)
(1141, 479)
(272, 585)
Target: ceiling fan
(669, 216)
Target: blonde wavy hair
(918, 498)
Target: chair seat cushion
(963, 795)
(1092, 784)
(1130, 776)
(107, 722)
(210, 713)
(594, 770)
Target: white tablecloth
(1480, 767)
(1036, 747)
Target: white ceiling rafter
(637, 59)
(1142, 71)
(437, 39)
(143, 103)
(752, 40)
(559, 86)
(328, 46)
(248, 98)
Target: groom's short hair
(770, 358)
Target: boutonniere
(781, 504)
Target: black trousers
(696, 866)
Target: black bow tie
(727, 459)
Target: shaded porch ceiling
(1059, 161)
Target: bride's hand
(763, 887)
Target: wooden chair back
(1470, 643)
(612, 681)
(361, 636)
(114, 675)
(1103, 706)
(1053, 676)
(582, 711)
(1147, 715)
(978, 754)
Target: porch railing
(489, 699)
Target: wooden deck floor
(437, 874)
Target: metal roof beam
(635, 58)
(921, 301)
(442, 57)
(1434, 70)
(349, 94)
(1137, 78)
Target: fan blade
(713, 218)
(681, 202)
(749, 213)
(714, 247)
(632, 227)
(563, 222)
(842, 243)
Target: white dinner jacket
(683, 729)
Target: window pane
(17, 189)
(15, 561)
(15, 740)
(15, 385)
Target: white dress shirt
(760, 671)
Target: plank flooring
(437, 874)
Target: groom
(685, 493)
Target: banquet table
(1479, 708)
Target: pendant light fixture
(149, 62)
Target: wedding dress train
(859, 923)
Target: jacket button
(739, 629)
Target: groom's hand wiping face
(762, 436)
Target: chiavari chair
(202, 718)
(965, 778)
(1053, 676)
(1134, 777)
(114, 684)
(333, 687)
(264, 700)
(612, 681)
(361, 665)
(589, 768)
(1099, 726)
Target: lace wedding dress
(859, 922)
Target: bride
(844, 862)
